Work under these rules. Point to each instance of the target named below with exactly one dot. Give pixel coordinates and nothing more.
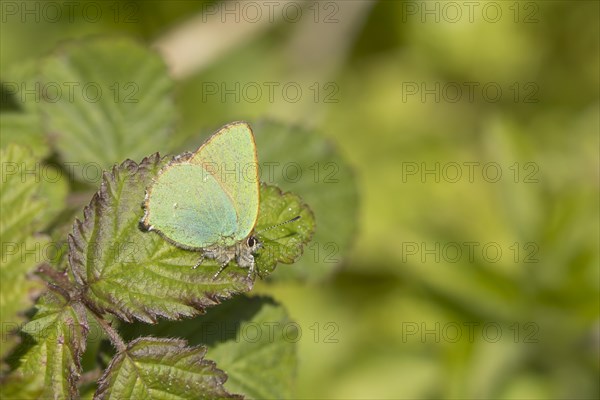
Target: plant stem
(112, 333)
(60, 283)
(59, 278)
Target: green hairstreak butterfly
(208, 200)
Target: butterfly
(209, 200)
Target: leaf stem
(112, 333)
(59, 278)
(60, 282)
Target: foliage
(393, 85)
(109, 267)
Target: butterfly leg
(223, 257)
(245, 260)
(251, 270)
(220, 270)
(199, 262)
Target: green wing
(230, 157)
(189, 208)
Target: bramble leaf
(139, 275)
(48, 359)
(106, 100)
(153, 368)
(261, 359)
(283, 243)
(27, 203)
(251, 339)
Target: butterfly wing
(187, 206)
(229, 156)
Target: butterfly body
(243, 253)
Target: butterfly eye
(251, 241)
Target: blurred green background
(410, 94)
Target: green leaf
(107, 99)
(153, 368)
(24, 212)
(261, 359)
(304, 162)
(252, 339)
(23, 128)
(48, 359)
(137, 274)
(20, 121)
(283, 243)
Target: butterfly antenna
(296, 218)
